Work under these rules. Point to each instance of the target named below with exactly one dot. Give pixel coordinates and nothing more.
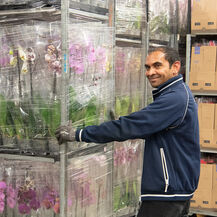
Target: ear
(176, 67)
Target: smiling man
(161, 65)
(169, 127)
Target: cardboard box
(214, 146)
(207, 138)
(199, 119)
(211, 15)
(195, 200)
(208, 56)
(205, 198)
(215, 128)
(198, 16)
(209, 80)
(215, 119)
(204, 191)
(196, 59)
(207, 115)
(195, 83)
(207, 68)
(203, 16)
(200, 113)
(214, 188)
(206, 112)
(206, 177)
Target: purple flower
(4, 61)
(120, 156)
(2, 196)
(2, 185)
(76, 58)
(2, 206)
(69, 202)
(87, 196)
(91, 53)
(24, 208)
(34, 204)
(4, 55)
(131, 154)
(56, 207)
(53, 57)
(11, 192)
(30, 194)
(120, 64)
(49, 198)
(11, 202)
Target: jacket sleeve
(165, 111)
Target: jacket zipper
(165, 171)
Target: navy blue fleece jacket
(169, 126)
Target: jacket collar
(167, 84)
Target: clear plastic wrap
(96, 3)
(21, 4)
(159, 20)
(130, 17)
(128, 91)
(90, 184)
(30, 109)
(127, 176)
(28, 187)
(32, 187)
(183, 17)
(30, 78)
(91, 81)
(127, 155)
(167, 17)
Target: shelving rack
(202, 211)
(65, 13)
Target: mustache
(153, 76)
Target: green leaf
(3, 113)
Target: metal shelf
(129, 40)
(27, 158)
(208, 150)
(125, 42)
(205, 92)
(27, 11)
(203, 33)
(202, 211)
(85, 15)
(53, 11)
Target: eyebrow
(154, 64)
(157, 63)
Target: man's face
(158, 70)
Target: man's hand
(65, 134)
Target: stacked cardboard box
(214, 187)
(203, 72)
(204, 16)
(205, 195)
(207, 115)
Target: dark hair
(171, 54)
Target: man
(169, 126)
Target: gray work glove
(65, 134)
